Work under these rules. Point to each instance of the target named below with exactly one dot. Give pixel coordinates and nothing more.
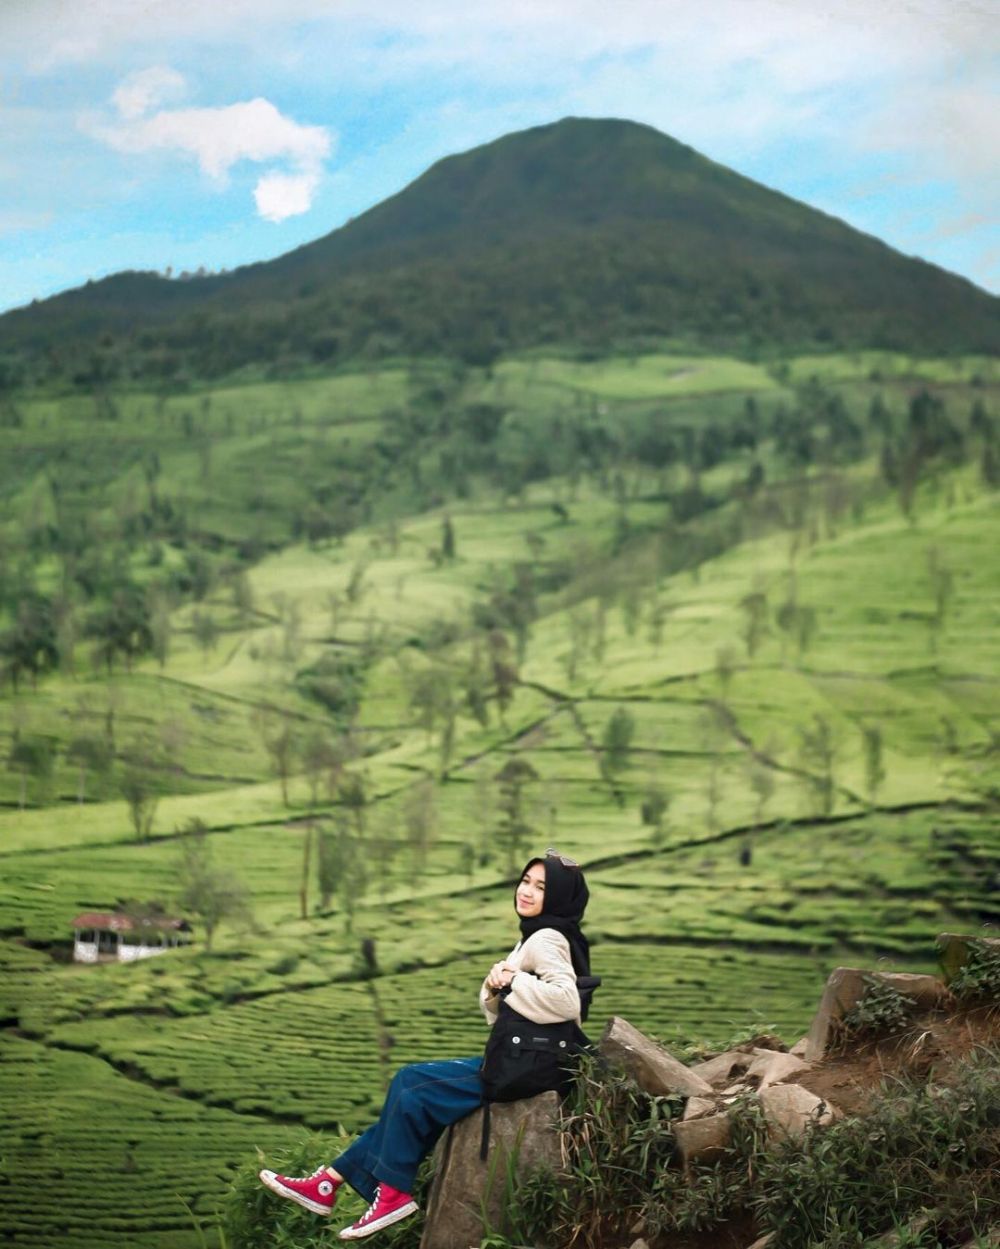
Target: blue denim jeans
(423, 1099)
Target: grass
(692, 941)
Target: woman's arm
(544, 989)
(498, 977)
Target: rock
(719, 1070)
(799, 1048)
(762, 1241)
(653, 1069)
(702, 1139)
(639, 1244)
(789, 1109)
(765, 1041)
(846, 986)
(697, 1108)
(770, 1068)
(459, 1189)
(954, 951)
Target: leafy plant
(978, 979)
(880, 1011)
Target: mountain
(593, 233)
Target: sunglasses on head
(564, 859)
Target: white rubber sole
(376, 1225)
(270, 1180)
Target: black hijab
(566, 896)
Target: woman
(537, 979)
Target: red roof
(109, 921)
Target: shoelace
(370, 1212)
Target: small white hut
(100, 937)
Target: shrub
(918, 1149)
(255, 1218)
(978, 979)
(880, 1011)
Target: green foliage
(625, 237)
(880, 1011)
(978, 979)
(210, 893)
(617, 740)
(94, 496)
(916, 1149)
(617, 1141)
(255, 1218)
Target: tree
(754, 608)
(122, 629)
(475, 686)
(352, 794)
(616, 742)
(447, 539)
(321, 758)
(33, 756)
(210, 893)
(328, 865)
(206, 631)
(160, 628)
(89, 754)
(631, 604)
(762, 783)
(513, 829)
(578, 623)
(280, 742)
(818, 750)
(504, 670)
(139, 786)
(419, 819)
(874, 767)
(653, 809)
(243, 597)
(30, 646)
(942, 586)
(304, 884)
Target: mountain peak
(600, 231)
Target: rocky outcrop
(654, 1070)
(466, 1196)
(703, 1139)
(790, 1110)
(953, 951)
(523, 1135)
(845, 987)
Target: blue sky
(172, 133)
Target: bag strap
(484, 1143)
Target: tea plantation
(753, 690)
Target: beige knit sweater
(544, 987)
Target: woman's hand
(500, 975)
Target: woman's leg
(422, 1100)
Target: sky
(172, 135)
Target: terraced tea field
(769, 731)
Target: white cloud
(281, 195)
(218, 138)
(13, 222)
(146, 89)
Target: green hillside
(594, 236)
(725, 633)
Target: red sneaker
(389, 1206)
(316, 1192)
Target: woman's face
(529, 897)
